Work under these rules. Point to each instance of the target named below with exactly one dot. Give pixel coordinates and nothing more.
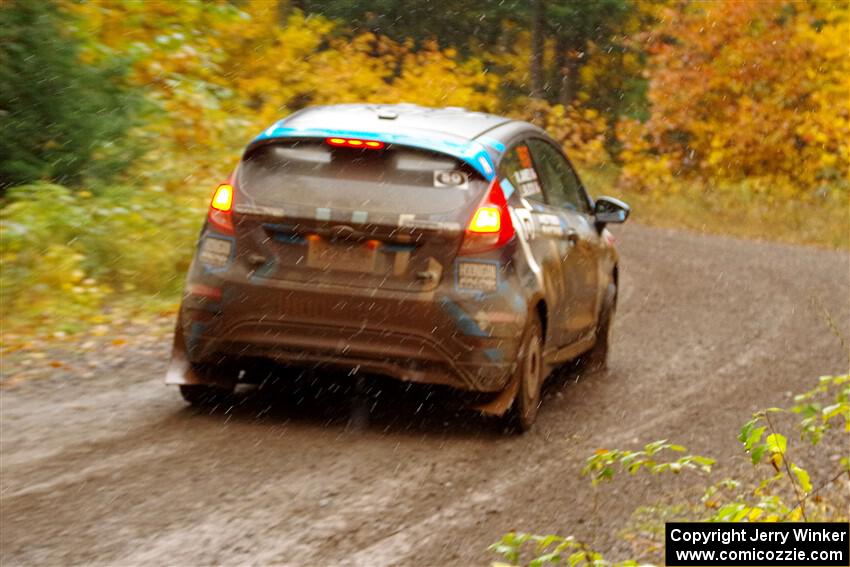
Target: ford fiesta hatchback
(439, 246)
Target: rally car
(433, 245)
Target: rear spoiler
(470, 152)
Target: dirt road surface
(114, 469)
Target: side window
(517, 168)
(559, 180)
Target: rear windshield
(391, 180)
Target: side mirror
(609, 210)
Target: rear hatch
(386, 217)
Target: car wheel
(523, 412)
(597, 357)
(205, 394)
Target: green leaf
(802, 477)
(757, 453)
(727, 512)
(745, 430)
(552, 558)
(576, 558)
(754, 437)
(836, 409)
(776, 443)
(704, 462)
(546, 541)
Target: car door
(580, 239)
(541, 226)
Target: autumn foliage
(712, 103)
(248, 69)
(746, 90)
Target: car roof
(476, 138)
(397, 119)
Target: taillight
(223, 198)
(486, 219)
(490, 226)
(355, 143)
(220, 208)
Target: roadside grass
(76, 259)
(734, 210)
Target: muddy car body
(430, 245)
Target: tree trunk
(568, 67)
(537, 48)
(561, 56)
(285, 9)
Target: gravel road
(109, 466)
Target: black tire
(212, 393)
(202, 395)
(530, 369)
(596, 359)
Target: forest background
(118, 118)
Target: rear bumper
(433, 338)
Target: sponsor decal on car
(486, 319)
(465, 323)
(526, 224)
(215, 252)
(526, 179)
(244, 209)
(525, 175)
(524, 156)
(323, 214)
(410, 221)
(477, 276)
(550, 224)
(451, 178)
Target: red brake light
(220, 208)
(354, 143)
(490, 226)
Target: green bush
(65, 252)
(60, 118)
(783, 492)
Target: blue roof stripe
(493, 143)
(468, 151)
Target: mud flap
(180, 370)
(502, 401)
